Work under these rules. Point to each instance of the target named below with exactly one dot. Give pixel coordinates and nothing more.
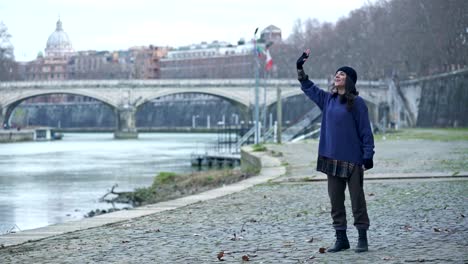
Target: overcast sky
(120, 24)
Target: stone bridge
(126, 96)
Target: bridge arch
(31, 94)
(218, 92)
(372, 105)
(11, 103)
(242, 104)
(290, 93)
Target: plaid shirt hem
(337, 168)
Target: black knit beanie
(350, 72)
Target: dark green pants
(336, 192)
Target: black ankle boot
(362, 241)
(341, 243)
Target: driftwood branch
(122, 197)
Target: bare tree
(413, 38)
(8, 67)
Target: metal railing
(299, 126)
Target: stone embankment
(7, 135)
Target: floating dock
(215, 159)
(29, 134)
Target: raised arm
(308, 87)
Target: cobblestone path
(411, 221)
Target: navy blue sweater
(345, 135)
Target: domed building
(58, 43)
(52, 66)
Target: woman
(346, 149)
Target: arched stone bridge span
(125, 96)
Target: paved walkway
(393, 159)
(282, 221)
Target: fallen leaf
(245, 258)
(152, 230)
(220, 256)
(288, 243)
(322, 250)
(407, 228)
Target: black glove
(301, 76)
(368, 164)
(301, 60)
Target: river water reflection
(43, 183)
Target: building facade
(61, 62)
(218, 60)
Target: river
(44, 183)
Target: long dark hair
(349, 95)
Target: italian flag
(269, 61)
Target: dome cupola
(58, 43)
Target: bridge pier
(2, 116)
(126, 128)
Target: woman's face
(340, 79)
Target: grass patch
(164, 177)
(435, 134)
(259, 147)
(168, 185)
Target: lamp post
(236, 118)
(256, 89)
(194, 120)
